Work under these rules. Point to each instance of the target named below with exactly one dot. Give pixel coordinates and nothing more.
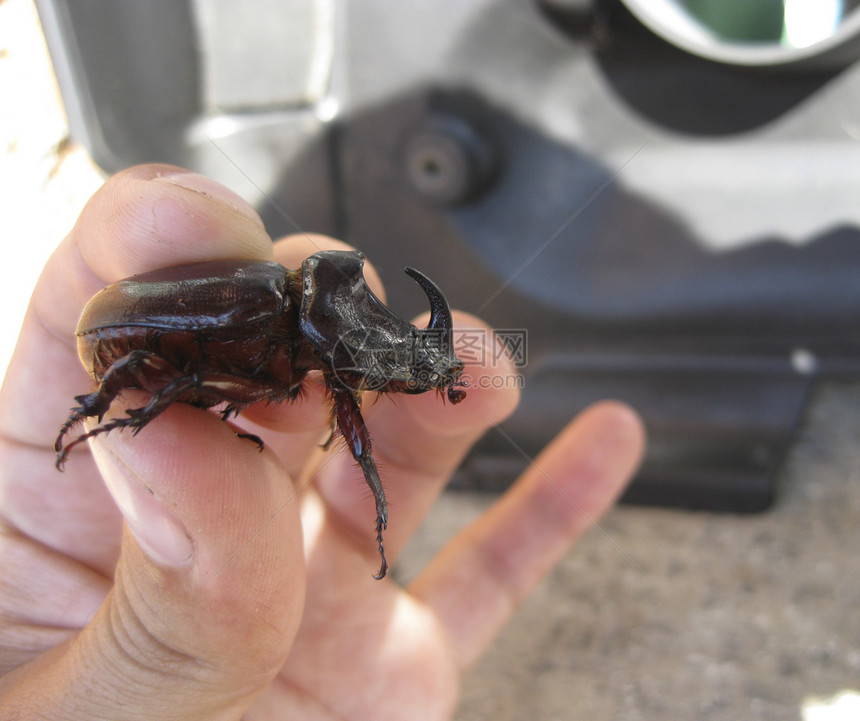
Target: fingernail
(154, 525)
(210, 188)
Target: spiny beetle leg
(122, 373)
(352, 427)
(135, 418)
(160, 402)
(106, 428)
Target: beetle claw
(254, 439)
(381, 524)
(326, 444)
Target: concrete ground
(663, 614)
(657, 614)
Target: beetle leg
(115, 378)
(160, 401)
(352, 427)
(122, 374)
(135, 418)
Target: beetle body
(232, 323)
(230, 333)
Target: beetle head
(364, 345)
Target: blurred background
(662, 193)
(44, 179)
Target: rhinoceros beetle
(230, 333)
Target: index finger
(482, 575)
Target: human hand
(180, 574)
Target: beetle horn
(440, 312)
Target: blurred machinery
(663, 198)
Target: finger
(482, 575)
(146, 217)
(209, 588)
(418, 441)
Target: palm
(385, 657)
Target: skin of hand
(182, 574)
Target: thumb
(209, 589)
